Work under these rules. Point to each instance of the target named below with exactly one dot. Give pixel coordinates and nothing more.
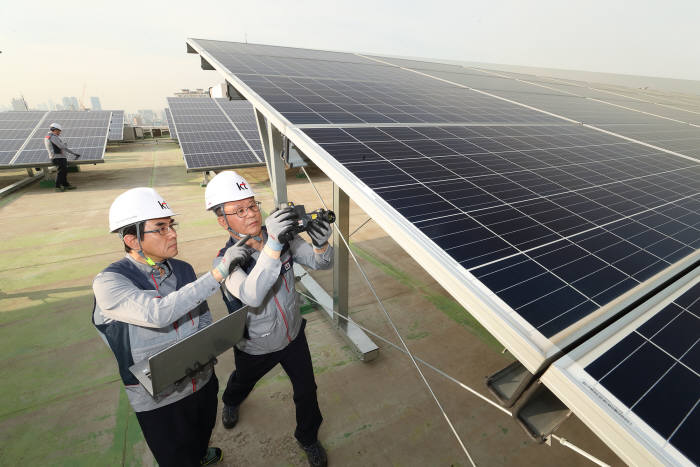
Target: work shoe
(229, 416)
(316, 454)
(70, 187)
(213, 456)
(60, 188)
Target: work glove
(234, 256)
(320, 232)
(278, 223)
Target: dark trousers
(62, 174)
(178, 434)
(296, 362)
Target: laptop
(174, 363)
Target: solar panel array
(15, 128)
(542, 227)
(171, 127)
(116, 126)
(648, 372)
(83, 132)
(209, 138)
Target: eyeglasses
(242, 212)
(164, 230)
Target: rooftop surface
(63, 403)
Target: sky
(132, 54)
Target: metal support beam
(359, 341)
(25, 181)
(341, 207)
(275, 164)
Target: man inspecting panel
(274, 326)
(144, 303)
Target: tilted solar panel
(208, 137)
(524, 212)
(642, 376)
(84, 132)
(542, 228)
(15, 128)
(116, 126)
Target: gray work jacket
(274, 318)
(156, 318)
(56, 147)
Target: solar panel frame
(84, 131)
(620, 424)
(533, 350)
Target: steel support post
(341, 207)
(273, 145)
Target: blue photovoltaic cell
(85, 132)
(655, 372)
(15, 128)
(556, 220)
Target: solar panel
(15, 128)
(208, 137)
(171, 127)
(638, 383)
(541, 228)
(116, 126)
(84, 132)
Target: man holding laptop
(146, 302)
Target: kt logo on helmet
(242, 186)
(163, 205)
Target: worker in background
(274, 326)
(144, 303)
(57, 155)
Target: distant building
(199, 92)
(95, 103)
(138, 120)
(19, 104)
(148, 116)
(71, 103)
(42, 107)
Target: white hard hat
(56, 126)
(226, 186)
(136, 205)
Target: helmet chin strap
(148, 260)
(238, 234)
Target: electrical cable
(391, 322)
(404, 349)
